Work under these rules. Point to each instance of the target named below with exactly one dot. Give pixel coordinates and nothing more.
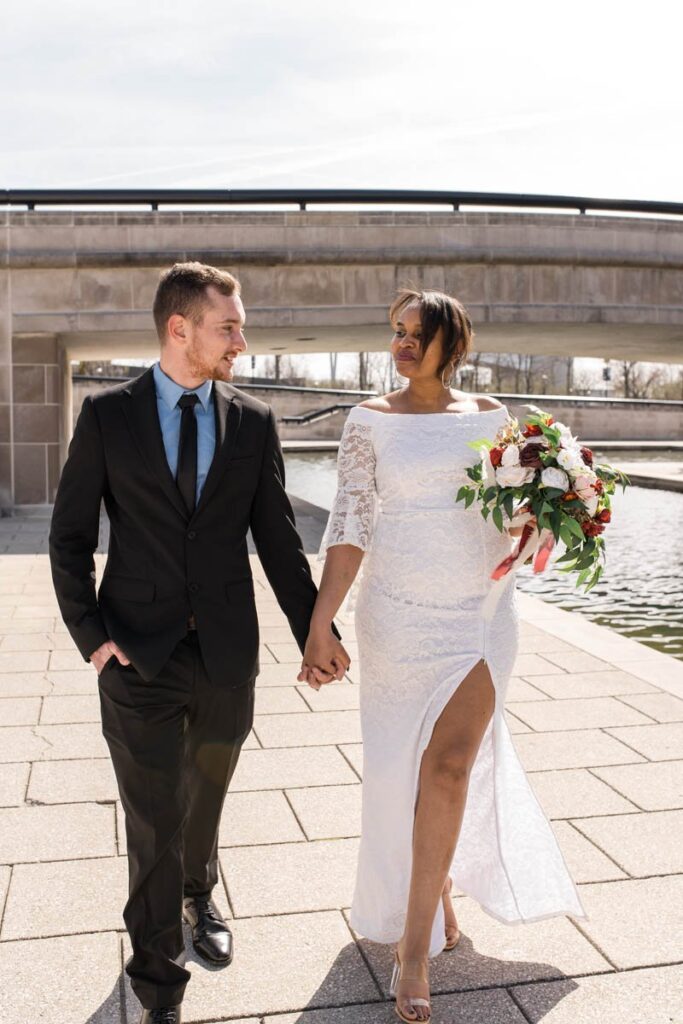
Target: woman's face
(406, 350)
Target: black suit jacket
(162, 564)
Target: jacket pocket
(240, 592)
(125, 588)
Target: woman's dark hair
(438, 310)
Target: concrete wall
(601, 419)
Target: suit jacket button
(191, 534)
(194, 587)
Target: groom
(186, 464)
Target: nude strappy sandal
(398, 975)
(451, 943)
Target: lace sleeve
(352, 515)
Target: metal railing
(303, 198)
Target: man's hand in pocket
(101, 656)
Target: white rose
(592, 505)
(570, 459)
(510, 456)
(514, 476)
(553, 477)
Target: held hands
(324, 659)
(101, 656)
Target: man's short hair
(182, 290)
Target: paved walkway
(597, 720)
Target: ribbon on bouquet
(533, 543)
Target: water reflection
(641, 591)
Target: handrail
(302, 198)
(317, 414)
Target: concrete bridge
(77, 284)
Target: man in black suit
(186, 464)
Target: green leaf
(497, 516)
(573, 526)
(555, 521)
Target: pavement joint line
(296, 816)
(337, 746)
(3, 905)
(510, 992)
(122, 982)
(606, 730)
(618, 791)
(655, 721)
(597, 846)
(225, 887)
(366, 960)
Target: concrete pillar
(36, 418)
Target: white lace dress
(420, 629)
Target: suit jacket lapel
(141, 412)
(228, 413)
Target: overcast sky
(580, 98)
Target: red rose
(549, 422)
(587, 455)
(496, 456)
(531, 430)
(529, 456)
(591, 528)
(605, 516)
(597, 486)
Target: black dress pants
(174, 743)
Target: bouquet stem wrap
(533, 543)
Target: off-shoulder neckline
(455, 415)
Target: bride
(445, 799)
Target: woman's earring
(450, 379)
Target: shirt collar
(170, 392)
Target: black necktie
(186, 476)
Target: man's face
(217, 340)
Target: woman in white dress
(445, 798)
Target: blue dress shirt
(168, 393)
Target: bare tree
(638, 380)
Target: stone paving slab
(663, 707)
(586, 713)
(57, 832)
(19, 711)
(71, 710)
(24, 684)
(65, 897)
(576, 791)
(494, 1007)
(650, 996)
(287, 878)
(284, 962)
(305, 730)
(491, 954)
(328, 812)
(47, 978)
(90, 780)
(590, 684)
(521, 689)
(13, 782)
(657, 786)
(636, 922)
(286, 768)
(643, 844)
(586, 862)
(656, 742)
(258, 818)
(580, 748)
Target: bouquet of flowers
(537, 473)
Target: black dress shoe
(164, 1015)
(211, 936)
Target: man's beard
(199, 367)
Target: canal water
(640, 593)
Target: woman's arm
(342, 563)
